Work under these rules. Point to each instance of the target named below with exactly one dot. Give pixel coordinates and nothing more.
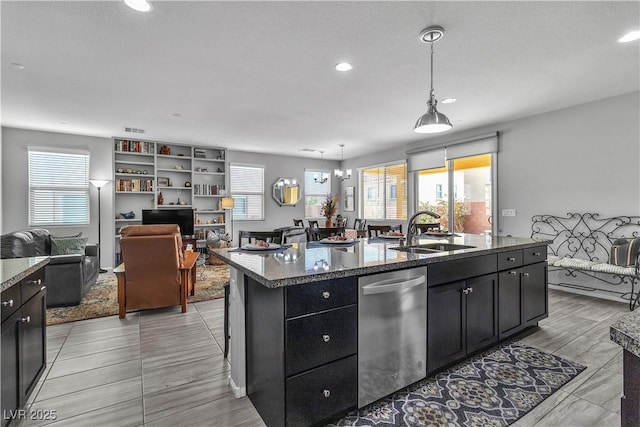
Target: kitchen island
(23, 346)
(301, 341)
(626, 333)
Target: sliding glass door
(460, 192)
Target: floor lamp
(99, 183)
(228, 203)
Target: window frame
(59, 189)
(365, 194)
(321, 196)
(244, 194)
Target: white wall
(15, 182)
(277, 216)
(580, 159)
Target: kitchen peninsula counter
(626, 333)
(14, 270)
(299, 331)
(303, 264)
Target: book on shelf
(207, 189)
(134, 185)
(134, 146)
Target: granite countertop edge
(372, 269)
(39, 263)
(626, 333)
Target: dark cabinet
(461, 319)
(523, 299)
(302, 344)
(23, 357)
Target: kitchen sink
(431, 248)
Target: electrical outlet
(508, 212)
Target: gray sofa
(67, 277)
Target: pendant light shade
(432, 121)
(339, 173)
(322, 178)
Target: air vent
(134, 130)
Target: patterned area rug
(495, 388)
(102, 299)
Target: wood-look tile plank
(76, 337)
(96, 346)
(162, 377)
(549, 339)
(103, 323)
(537, 413)
(604, 389)
(185, 354)
(55, 342)
(72, 383)
(574, 411)
(125, 414)
(165, 402)
(576, 324)
(61, 329)
(93, 361)
(82, 402)
(589, 351)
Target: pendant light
(432, 121)
(322, 178)
(338, 172)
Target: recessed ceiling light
(448, 100)
(629, 37)
(17, 65)
(64, 123)
(344, 66)
(139, 5)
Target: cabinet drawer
(10, 301)
(536, 254)
(450, 271)
(508, 260)
(320, 338)
(32, 284)
(318, 296)
(322, 393)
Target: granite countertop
(626, 332)
(15, 269)
(310, 262)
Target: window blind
(247, 190)
(58, 188)
(435, 156)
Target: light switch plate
(508, 212)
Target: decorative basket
(212, 259)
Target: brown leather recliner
(151, 278)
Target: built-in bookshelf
(162, 175)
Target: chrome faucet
(411, 226)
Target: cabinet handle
(470, 289)
(326, 338)
(326, 294)
(26, 319)
(525, 274)
(537, 254)
(511, 259)
(465, 291)
(35, 282)
(513, 272)
(7, 303)
(326, 392)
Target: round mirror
(287, 191)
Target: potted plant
(328, 209)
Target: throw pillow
(68, 245)
(624, 252)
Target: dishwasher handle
(392, 285)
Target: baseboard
(238, 392)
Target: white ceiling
(259, 76)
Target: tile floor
(165, 368)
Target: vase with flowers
(328, 209)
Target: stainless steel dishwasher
(392, 332)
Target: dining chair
(298, 222)
(360, 224)
(376, 230)
(252, 236)
(319, 233)
(313, 223)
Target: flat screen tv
(182, 217)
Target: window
(58, 188)
(315, 192)
(386, 192)
(438, 191)
(247, 190)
